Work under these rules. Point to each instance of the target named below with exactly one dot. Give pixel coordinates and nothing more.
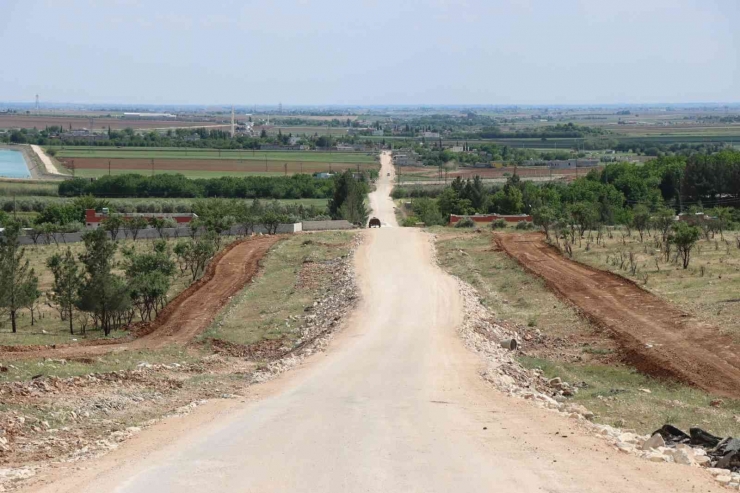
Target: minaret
(232, 122)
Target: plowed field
(655, 336)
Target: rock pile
(321, 319)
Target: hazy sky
(370, 52)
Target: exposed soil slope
(185, 316)
(655, 336)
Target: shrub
(498, 224)
(465, 222)
(524, 225)
(168, 207)
(182, 208)
(409, 222)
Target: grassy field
(572, 348)
(708, 289)
(291, 280)
(10, 188)
(213, 154)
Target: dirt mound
(655, 337)
(184, 317)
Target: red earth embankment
(655, 336)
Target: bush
(168, 207)
(182, 208)
(524, 225)
(465, 222)
(409, 222)
(498, 224)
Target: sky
(370, 52)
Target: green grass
(260, 311)
(185, 153)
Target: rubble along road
(396, 404)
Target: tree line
(626, 194)
(298, 186)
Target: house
(456, 149)
(323, 176)
(344, 148)
(430, 135)
(489, 218)
(377, 133)
(93, 219)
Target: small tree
(641, 219)
(149, 275)
(271, 220)
(134, 225)
(194, 255)
(581, 216)
(18, 282)
(161, 224)
(113, 225)
(545, 217)
(68, 278)
(49, 231)
(103, 293)
(723, 216)
(663, 219)
(685, 237)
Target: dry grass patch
(708, 289)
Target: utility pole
(286, 169)
(109, 167)
(265, 162)
(152, 167)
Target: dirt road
(395, 405)
(185, 316)
(656, 337)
